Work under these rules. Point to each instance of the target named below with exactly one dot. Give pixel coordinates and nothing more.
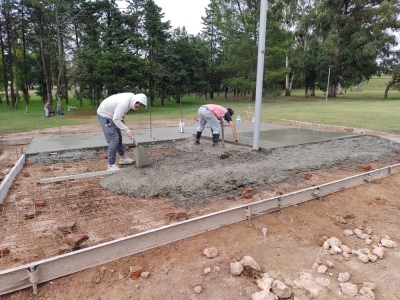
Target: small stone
(344, 277)
(345, 248)
(388, 243)
(349, 289)
(265, 283)
(348, 232)
(322, 269)
(367, 293)
(372, 257)
(198, 289)
(236, 268)
(281, 290)
(358, 231)
(248, 261)
(210, 252)
(379, 251)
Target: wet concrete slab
(271, 136)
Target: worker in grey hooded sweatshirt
(110, 115)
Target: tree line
(100, 47)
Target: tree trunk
(287, 84)
(4, 64)
(10, 58)
(332, 90)
(45, 59)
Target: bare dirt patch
(295, 234)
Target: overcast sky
(186, 13)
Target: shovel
(140, 153)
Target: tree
(156, 36)
(353, 35)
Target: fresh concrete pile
(198, 173)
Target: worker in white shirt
(110, 115)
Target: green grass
(361, 108)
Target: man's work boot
(198, 136)
(215, 139)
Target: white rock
(336, 250)
(388, 243)
(306, 282)
(358, 231)
(349, 289)
(208, 270)
(265, 275)
(346, 255)
(145, 275)
(348, 232)
(372, 257)
(345, 248)
(323, 281)
(367, 293)
(364, 251)
(264, 295)
(265, 283)
(368, 241)
(326, 245)
(343, 277)
(322, 269)
(264, 232)
(198, 289)
(248, 261)
(334, 241)
(210, 252)
(363, 257)
(379, 251)
(236, 268)
(368, 230)
(363, 236)
(281, 290)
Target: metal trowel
(140, 153)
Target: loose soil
(216, 177)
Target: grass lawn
(361, 108)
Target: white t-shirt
(116, 107)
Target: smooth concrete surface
(271, 136)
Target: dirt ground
(287, 244)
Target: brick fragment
(366, 167)
(30, 215)
(135, 271)
(307, 176)
(40, 202)
(4, 252)
(247, 193)
(75, 239)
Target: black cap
(231, 112)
